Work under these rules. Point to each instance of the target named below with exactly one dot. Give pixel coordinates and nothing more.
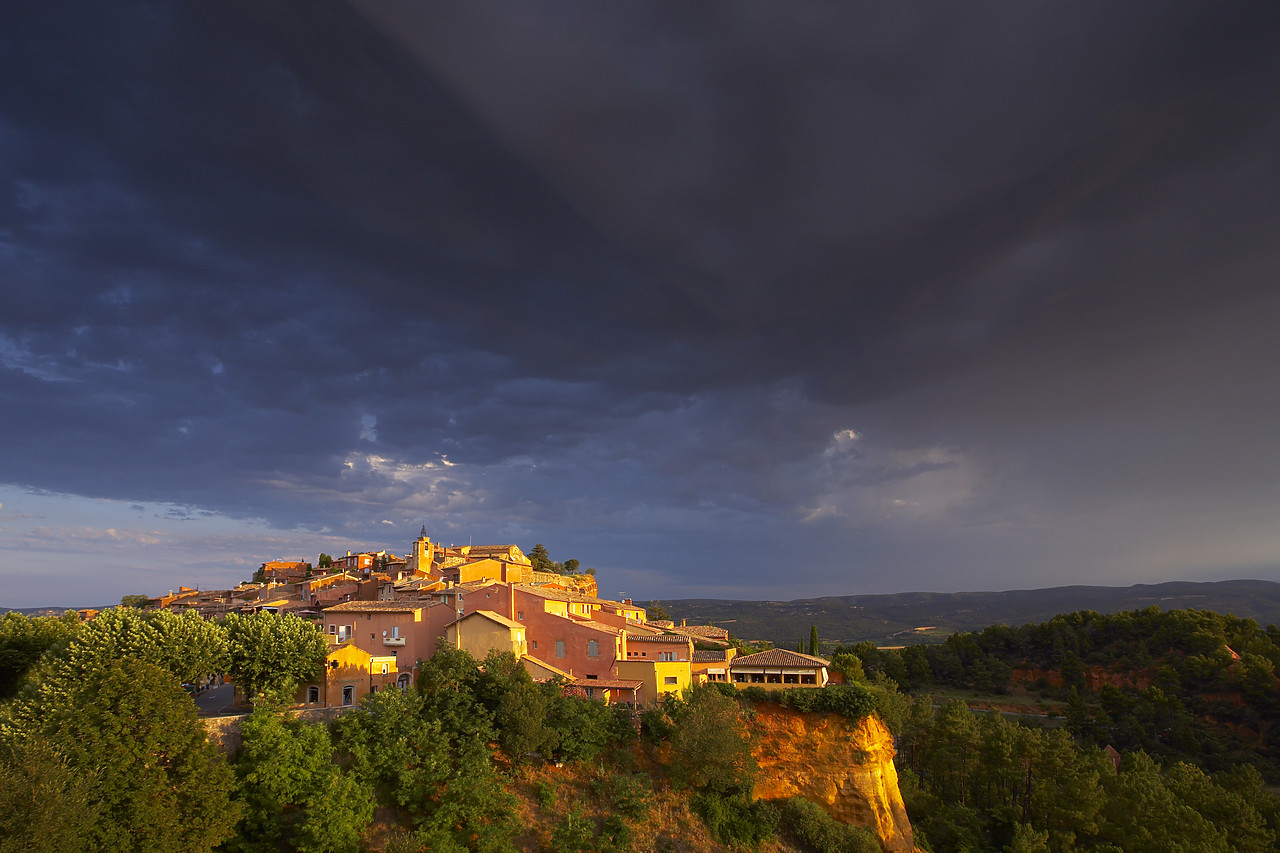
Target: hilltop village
(382, 614)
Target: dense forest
(101, 748)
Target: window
(739, 678)
(403, 681)
(593, 649)
(559, 648)
(313, 695)
(535, 643)
(757, 678)
(386, 668)
(333, 629)
(808, 679)
(373, 688)
(520, 615)
(790, 678)
(593, 677)
(670, 679)
(666, 655)
(348, 695)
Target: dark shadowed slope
(895, 618)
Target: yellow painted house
(483, 631)
(657, 677)
(350, 674)
(777, 669)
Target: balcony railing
(393, 641)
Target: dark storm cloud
(719, 274)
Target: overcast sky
(749, 300)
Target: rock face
(845, 767)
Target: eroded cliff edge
(844, 766)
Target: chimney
(626, 601)
(682, 622)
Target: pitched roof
(532, 663)
(703, 631)
(376, 607)
(608, 683)
(778, 657)
(716, 656)
(492, 617)
(659, 638)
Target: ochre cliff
(844, 766)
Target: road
(216, 701)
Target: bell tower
(424, 553)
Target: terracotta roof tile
(375, 607)
(778, 657)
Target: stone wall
(224, 732)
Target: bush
(655, 726)
(820, 832)
(574, 833)
(736, 819)
(631, 796)
(546, 794)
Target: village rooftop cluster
(382, 614)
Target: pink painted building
(382, 628)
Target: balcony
(393, 641)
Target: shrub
(574, 833)
(736, 819)
(819, 831)
(631, 796)
(546, 794)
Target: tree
(132, 732)
(849, 666)
(711, 747)
(571, 566)
(135, 600)
(656, 612)
(539, 558)
(272, 654)
(324, 561)
(519, 707)
(49, 807)
(193, 646)
(813, 639)
(387, 742)
(290, 786)
(25, 640)
(468, 805)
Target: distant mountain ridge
(894, 619)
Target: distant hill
(894, 619)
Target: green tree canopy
(270, 654)
(25, 640)
(711, 746)
(131, 731)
